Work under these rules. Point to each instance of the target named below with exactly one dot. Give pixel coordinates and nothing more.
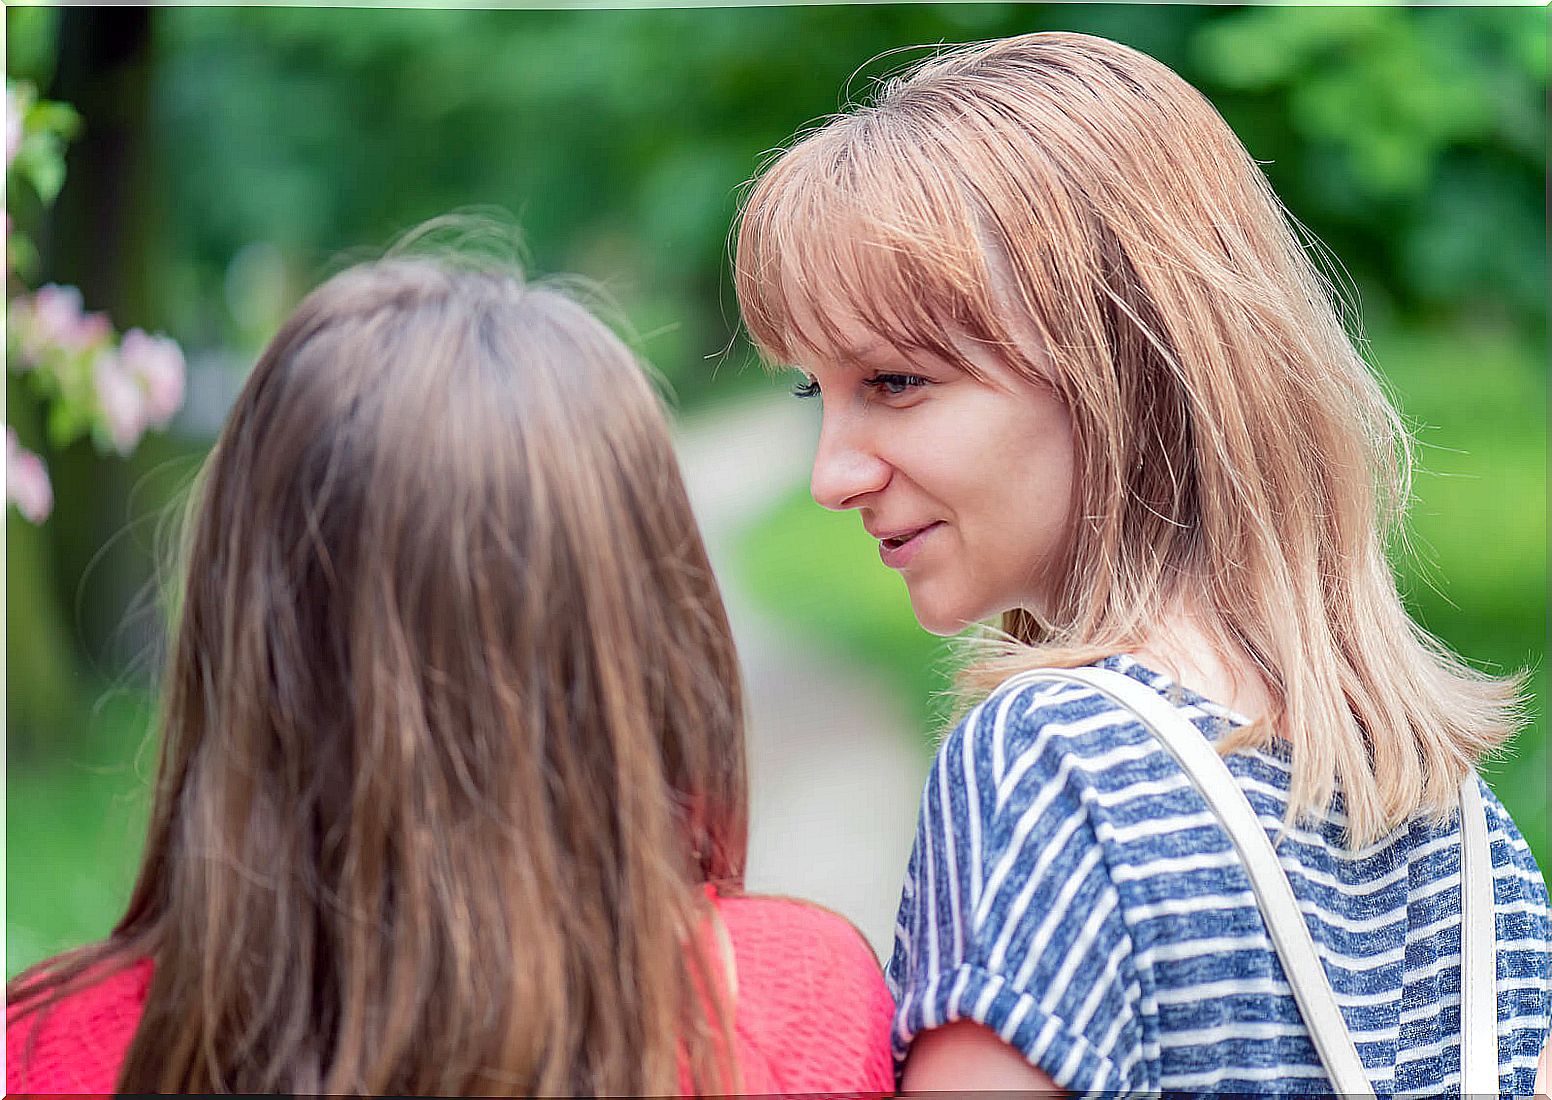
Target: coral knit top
(811, 1013)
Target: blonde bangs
(854, 230)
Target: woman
(451, 795)
(1077, 372)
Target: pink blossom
(13, 126)
(26, 481)
(53, 318)
(156, 363)
(120, 399)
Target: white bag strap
(1280, 909)
(1478, 949)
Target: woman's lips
(897, 553)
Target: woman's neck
(1182, 648)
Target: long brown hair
(1078, 207)
(453, 727)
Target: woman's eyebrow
(864, 351)
(873, 355)
(840, 358)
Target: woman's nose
(846, 468)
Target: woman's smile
(898, 551)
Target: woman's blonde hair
(1078, 207)
(453, 731)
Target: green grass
(1476, 577)
(1477, 574)
(75, 823)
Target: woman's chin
(938, 618)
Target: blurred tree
(1400, 136)
(1420, 140)
(1409, 140)
(71, 381)
(230, 154)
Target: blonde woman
(1076, 372)
(451, 796)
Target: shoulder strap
(719, 929)
(1478, 949)
(1279, 908)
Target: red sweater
(812, 1014)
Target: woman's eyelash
(890, 383)
(895, 384)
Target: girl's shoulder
(76, 1043)
(811, 998)
(797, 943)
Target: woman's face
(965, 482)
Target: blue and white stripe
(1070, 890)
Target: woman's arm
(965, 1057)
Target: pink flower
(52, 318)
(156, 363)
(120, 399)
(26, 481)
(13, 126)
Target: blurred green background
(229, 155)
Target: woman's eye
(807, 388)
(895, 384)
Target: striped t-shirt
(1071, 891)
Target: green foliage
(37, 172)
(1412, 142)
(41, 159)
(30, 43)
(1409, 140)
(72, 362)
(320, 130)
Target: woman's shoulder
(811, 995)
(1520, 880)
(1035, 730)
(1039, 695)
(794, 936)
(77, 1042)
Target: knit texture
(1071, 891)
(812, 1013)
(78, 1044)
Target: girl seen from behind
(451, 796)
(1078, 374)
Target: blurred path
(834, 770)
